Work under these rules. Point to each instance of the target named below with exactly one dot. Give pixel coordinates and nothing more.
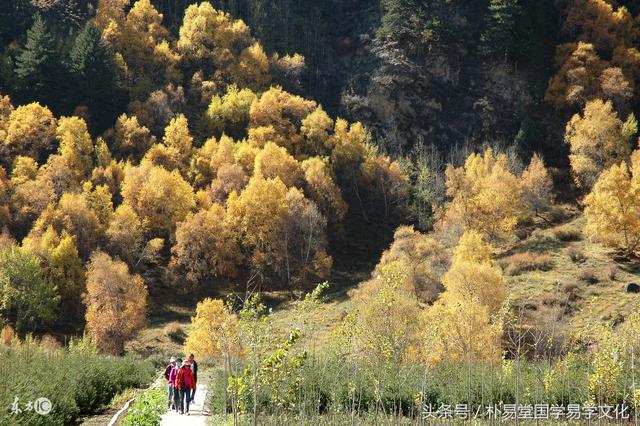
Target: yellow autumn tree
(176, 136)
(159, 197)
(204, 247)
(125, 234)
(230, 113)
(30, 130)
(145, 50)
(537, 186)
(73, 215)
(116, 302)
(320, 186)
(422, 258)
(274, 161)
(284, 112)
(221, 48)
(612, 209)
(256, 218)
(595, 141)
(384, 324)
(485, 195)
(214, 331)
(464, 324)
(110, 18)
(316, 128)
(597, 22)
(76, 146)
(578, 78)
(130, 138)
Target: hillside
(350, 211)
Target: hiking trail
(197, 413)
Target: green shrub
(147, 409)
(76, 380)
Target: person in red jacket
(185, 383)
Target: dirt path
(197, 414)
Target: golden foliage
(284, 112)
(595, 21)
(612, 209)
(537, 186)
(230, 113)
(465, 322)
(76, 146)
(116, 302)
(125, 234)
(73, 215)
(214, 330)
(255, 216)
(204, 247)
(486, 196)
(595, 142)
(578, 77)
(274, 161)
(31, 129)
(384, 324)
(159, 197)
(321, 188)
(422, 258)
(177, 137)
(212, 41)
(131, 138)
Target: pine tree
(14, 19)
(91, 64)
(38, 68)
(505, 32)
(404, 21)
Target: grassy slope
(557, 293)
(550, 292)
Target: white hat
(173, 359)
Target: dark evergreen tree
(62, 15)
(15, 16)
(92, 67)
(507, 32)
(38, 69)
(405, 22)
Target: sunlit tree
(116, 302)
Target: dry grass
(585, 303)
(612, 271)
(526, 261)
(576, 255)
(567, 233)
(174, 331)
(588, 275)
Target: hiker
(185, 383)
(167, 375)
(194, 370)
(173, 379)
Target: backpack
(167, 371)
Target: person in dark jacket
(194, 369)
